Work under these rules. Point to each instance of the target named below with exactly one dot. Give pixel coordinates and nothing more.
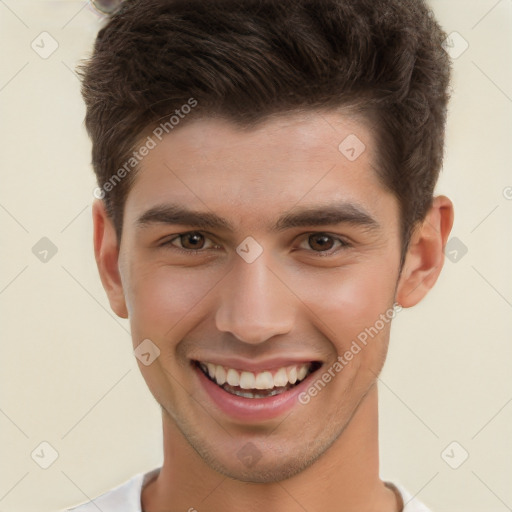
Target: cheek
(164, 300)
(349, 300)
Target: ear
(106, 251)
(425, 255)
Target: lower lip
(252, 409)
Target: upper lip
(238, 363)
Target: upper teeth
(250, 380)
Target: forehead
(293, 138)
(213, 164)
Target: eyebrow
(332, 214)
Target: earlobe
(106, 252)
(425, 256)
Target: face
(261, 256)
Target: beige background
(68, 374)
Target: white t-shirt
(127, 497)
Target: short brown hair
(244, 60)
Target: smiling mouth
(257, 385)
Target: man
(265, 207)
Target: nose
(254, 303)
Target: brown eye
(192, 241)
(321, 242)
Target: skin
(292, 300)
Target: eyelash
(195, 252)
(188, 252)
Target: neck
(344, 478)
